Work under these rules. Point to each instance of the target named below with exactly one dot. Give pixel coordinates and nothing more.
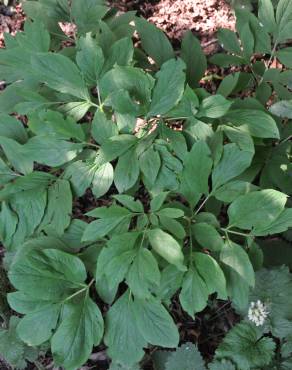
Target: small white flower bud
(257, 313)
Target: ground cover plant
(186, 192)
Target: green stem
(203, 203)
(90, 144)
(175, 118)
(269, 61)
(93, 104)
(210, 77)
(226, 231)
(191, 239)
(285, 140)
(86, 288)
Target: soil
(11, 21)
(175, 17)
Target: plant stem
(190, 236)
(235, 232)
(86, 288)
(285, 140)
(90, 144)
(210, 77)
(203, 203)
(269, 61)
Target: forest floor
(203, 18)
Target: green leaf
(255, 122)
(197, 169)
(53, 124)
(157, 201)
(192, 54)
(283, 13)
(285, 56)
(33, 181)
(14, 351)
(256, 256)
(212, 274)
(143, 274)
(237, 287)
(169, 87)
(109, 219)
(285, 32)
(256, 209)
(86, 15)
(240, 137)
(59, 73)
(81, 329)
(8, 224)
(114, 260)
(59, 207)
(116, 146)
(51, 151)
(233, 162)
(154, 42)
(247, 40)
(194, 294)
(16, 155)
(150, 164)
(234, 256)
(228, 84)
(225, 60)
(73, 234)
(134, 80)
(187, 107)
(232, 190)
(282, 109)
(221, 365)
(6, 174)
(118, 366)
(75, 109)
(130, 203)
(172, 226)
(102, 129)
(12, 128)
(171, 212)
(186, 357)
(90, 59)
(35, 37)
(120, 53)
(208, 218)
(80, 175)
(271, 288)
(267, 15)
(155, 323)
(166, 246)
(207, 236)
(48, 274)
(127, 171)
(36, 327)
(170, 282)
(229, 40)
(122, 327)
(282, 223)
(214, 106)
(244, 346)
(102, 179)
(29, 207)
